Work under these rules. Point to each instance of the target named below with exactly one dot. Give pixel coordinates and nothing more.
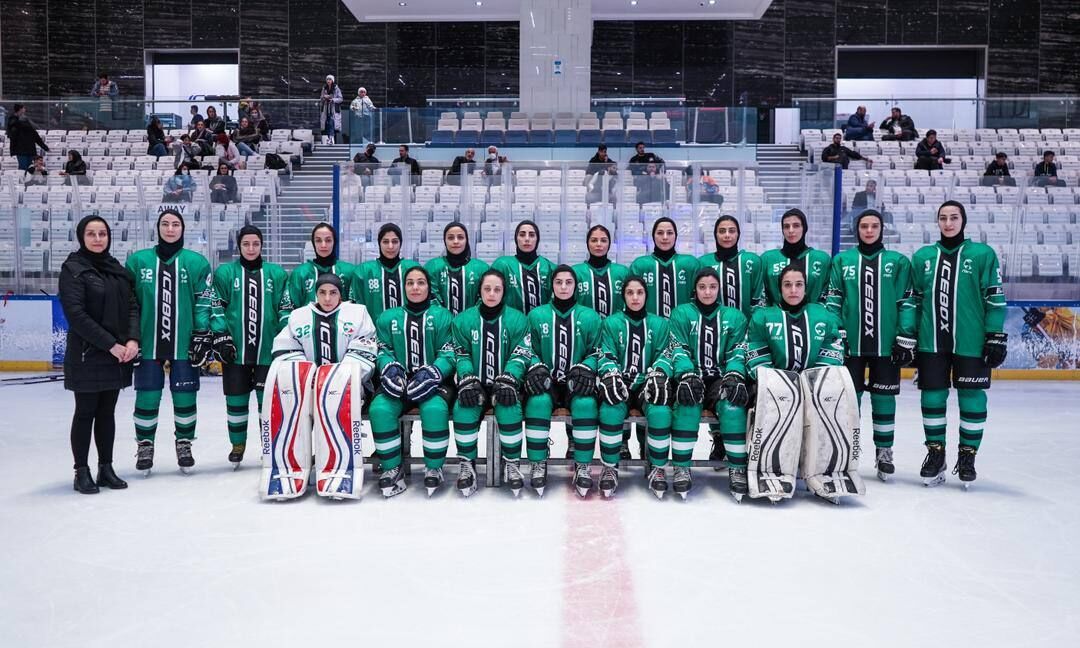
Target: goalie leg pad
(775, 435)
(285, 430)
(339, 456)
(831, 437)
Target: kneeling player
(416, 362)
(322, 358)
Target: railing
(975, 112)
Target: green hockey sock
(147, 404)
(883, 414)
(972, 416)
(184, 414)
(933, 414)
(236, 417)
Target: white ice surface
(198, 560)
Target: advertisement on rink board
(33, 331)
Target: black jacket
(907, 127)
(23, 137)
(596, 165)
(1046, 169)
(993, 169)
(93, 328)
(638, 162)
(461, 160)
(414, 166)
(215, 124)
(923, 149)
(841, 150)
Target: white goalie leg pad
(830, 448)
(285, 430)
(339, 455)
(775, 435)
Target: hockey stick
(30, 380)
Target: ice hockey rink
(198, 560)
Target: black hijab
(657, 252)
(491, 312)
(793, 250)
(722, 253)
(457, 260)
(780, 288)
(386, 261)
(246, 230)
(166, 251)
(706, 309)
(875, 246)
(103, 262)
(952, 242)
(329, 260)
(598, 262)
(420, 306)
(563, 305)
(527, 258)
(636, 315)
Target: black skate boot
(144, 457)
(657, 481)
(512, 476)
(392, 482)
(107, 478)
(433, 478)
(737, 483)
(624, 451)
(582, 479)
(183, 455)
(934, 466)
(681, 483)
(717, 453)
(609, 481)
(883, 462)
(965, 465)
(538, 480)
(83, 482)
(466, 481)
(236, 455)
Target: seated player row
(669, 335)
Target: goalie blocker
(824, 452)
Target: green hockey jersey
(252, 306)
(455, 288)
(742, 280)
(414, 339)
(601, 288)
(668, 284)
(958, 297)
(872, 297)
(561, 340)
(174, 301)
(487, 348)
(778, 339)
(814, 263)
(378, 287)
(302, 281)
(527, 286)
(635, 347)
(711, 345)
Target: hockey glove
(224, 348)
(537, 380)
(995, 349)
(470, 392)
(424, 382)
(903, 351)
(657, 388)
(201, 350)
(613, 388)
(690, 389)
(733, 389)
(505, 390)
(581, 380)
(392, 381)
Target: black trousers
(94, 413)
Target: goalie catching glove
(581, 380)
(393, 380)
(690, 390)
(657, 388)
(537, 380)
(613, 388)
(224, 347)
(201, 351)
(423, 383)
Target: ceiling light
(633, 3)
(402, 4)
(712, 2)
(479, 3)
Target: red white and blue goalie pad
(339, 457)
(285, 429)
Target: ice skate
(624, 451)
(681, 483)
(884, 464)
(737, 483)
(183, 455)
(466, 481)
(717, 453)
(433, 478)
(144, 457)
(237, 454)
(965, 466)
(657, 481)
(934, 466)
(512, 476)
(538, 481)
(582, 479)
(392, 482)
(609, 481)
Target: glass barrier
(998, 112)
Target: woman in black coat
(98, 297)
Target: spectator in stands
(247, 137)
(184, 150)
(930, 154)
(223, 186)
(365, 164)
(202, 139)
(837, 153)
(214, 124)
(195, 117)
(364, 110)
(493, 166)
(243, 108)
(640, 159)
(259, 119)
(156, 143)
(403, 160)
(180, 187)
(899, 127)
(867, 198)
(599, 165)
(651, 186)
(227, 153)
(857, 128)
(330, 110)
(75, 169)
(468, 161)
(710, 190)
(997, 172)
(1046, 172)
(23, 137)
(103, 87)
(37, 174)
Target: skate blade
(581, 491)
(516, 491)
(539, 491)
(146, 472)
(775, 498)
(684, 494)
(467, 491)
(392, 490)
(738, 497)
(607, 493)
(187, 470)
(659, 493)
(966, 485)
(883, 476)
(431, 490)
(236, 465)
(931, 482)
